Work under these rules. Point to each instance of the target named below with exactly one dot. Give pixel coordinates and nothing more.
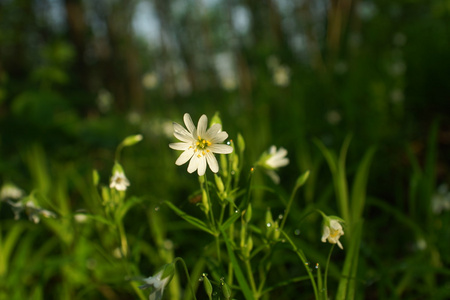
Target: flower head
(159, 281)
(332, 231)
(199, 145)
(33, 211)
(119, 181)
(273, 160)
(10, 191)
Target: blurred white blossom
(441, 199)
(150, 80)
(104, 101)
(119, 181)
(272, 161)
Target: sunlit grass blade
(237, 269)
(127, 205)
(358, 195)
(230, 221)
(7, 245)
(347, 284)
(190, 219)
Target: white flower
(281, 76)
(277, 158)
(199, 144)
(332, 232)
(441, 199)
(273, 160)
(159, 281)
(10, 191)
(119, 181)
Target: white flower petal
(190, 125)
(219, 138)
(181, 133)
(272, 150)
(274, 176)
(193, 164)
(221, 148)
(212, 162)
(201, 166)
(213, 131)
(184, 157)
(180, 146)
(202, 124)
(326, 233)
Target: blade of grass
(358, 195)
(190, 219)
(237, 269)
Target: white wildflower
(273, 160)
(119, 181)
(332, 231)
(199, 145)
(159, 281)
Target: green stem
(231, 237)
(250, 277)
(179, 259)
(326, 272)
(302, 257)
(123, 239)
(288, 207)
(205, 184)
(213, 222)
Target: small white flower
(273, 160)
(119, 181)
(441, 199)
(281, 76)
(332, 231)
(10, 191)
(199, 145)
(159, 281)
(277, 158)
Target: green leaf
(230, 221)
(347, 284)
(302, 179)
(190, 219)
(359, 185)
(237, 269)
(127, 205)
(7, 246)
(329, 156)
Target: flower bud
(208, 286)
(131, 140)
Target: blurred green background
(76, 77)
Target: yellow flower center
(201, 146)
(334, 233)
(201, 143)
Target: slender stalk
(251, 278)
(231, 237)
(302, 257)
(179, 259)
(213, 222)
(288, 207)
(123, 239)
(326, 272)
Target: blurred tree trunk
(76, 24)
(163, 12)
(338, 17)
(124, 60)
(312, 40)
